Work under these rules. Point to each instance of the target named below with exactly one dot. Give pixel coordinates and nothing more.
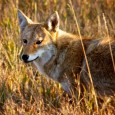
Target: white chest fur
(45, 56)
(39, 67)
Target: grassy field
(22, 90)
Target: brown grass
(22, 90)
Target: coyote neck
(68, 58)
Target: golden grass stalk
(89, 72)
(107, 31)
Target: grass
(22, 89)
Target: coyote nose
(25, 57)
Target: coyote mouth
(30, 60)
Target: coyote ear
(52, 22)
(23, 20)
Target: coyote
(59, 55)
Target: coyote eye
(39, 42)
(25, 41)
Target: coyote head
(38, 39)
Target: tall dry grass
(22, 90)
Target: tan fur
(60, 55)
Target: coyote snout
(25, 57)
(59, 55)
(31, 57)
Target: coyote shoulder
(59, 55)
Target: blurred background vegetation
(20, 92)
